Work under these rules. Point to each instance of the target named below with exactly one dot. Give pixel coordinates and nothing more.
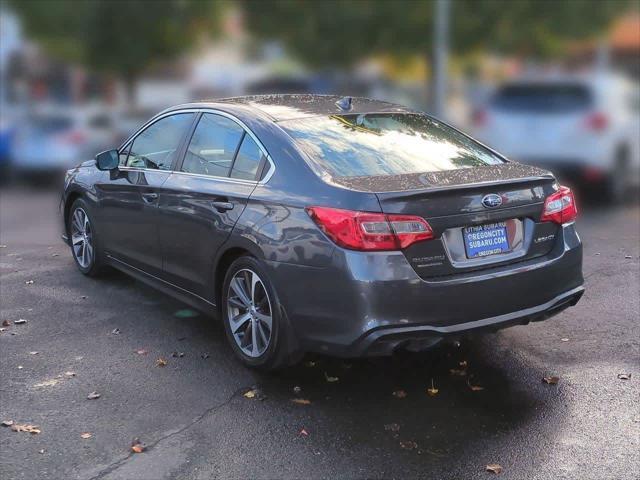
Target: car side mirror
(108, 160)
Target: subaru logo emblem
(492, 200)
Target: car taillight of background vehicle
(560, 207)
(480, 118)
(367, 231)
(597, 122)
(73, 137)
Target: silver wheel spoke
(239, 320)
(77, 238)
(254, 281)
(254, 340)
(263, 336)
(266, 319)
(238, 288)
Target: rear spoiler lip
(468, 186)
(445, 188)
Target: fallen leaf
(33, 353)
(392, 427)
(628, 256)
(142, 351)
(55, 254)
(250, 394)
(624, 376)
(457, 372)
(137, 446)
(93, 396)
(7, 423)
(5, 323)
(301, 401)
(331, 379)
(161, 362)
(399, 394)
(205, 356)
(2, 329)
(177, 354)
(310, 364)
(78, 358)
(115, 331)
(69, 374)
(20, 367)
(494, 468)
(186, 313)
(41, 450)
(473, 388)
(551, 380)
(83, 297)
(408, 444)
(433, 391)
(463, 364)
(47, 383)
(303, 432)
(564, 339)
(29, 282)
(85, 435)
(17, 427)
(297, 390)
(20, 321)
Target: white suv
(583, 128)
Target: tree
(116, 37)
(338, 33)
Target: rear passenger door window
(156, 146)
(213, 146)
(248, 160)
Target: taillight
(479, 118)
(560, 207)
(370, 231)
(597, 122)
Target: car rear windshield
(542, 98)
(375, 144)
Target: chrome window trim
(264, 180)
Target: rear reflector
(560, 207)
(370, 231)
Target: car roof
(280, 107)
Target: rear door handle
(222, 206)
(150, 197)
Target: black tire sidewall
(272, 357)
(95, 264)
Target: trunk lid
(452, 201)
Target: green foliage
(120, 37)
(331, 32)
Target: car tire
(251, 312)
(86, 250)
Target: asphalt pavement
(106, 335)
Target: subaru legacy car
(345, 226)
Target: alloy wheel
(82, 238)
(249, 313)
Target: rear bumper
(385, 340)
(371, 303)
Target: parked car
(308, 223)
(586, 129)
(55, 139)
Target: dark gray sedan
(316, 223)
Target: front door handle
(222, 206)
(150, 197)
